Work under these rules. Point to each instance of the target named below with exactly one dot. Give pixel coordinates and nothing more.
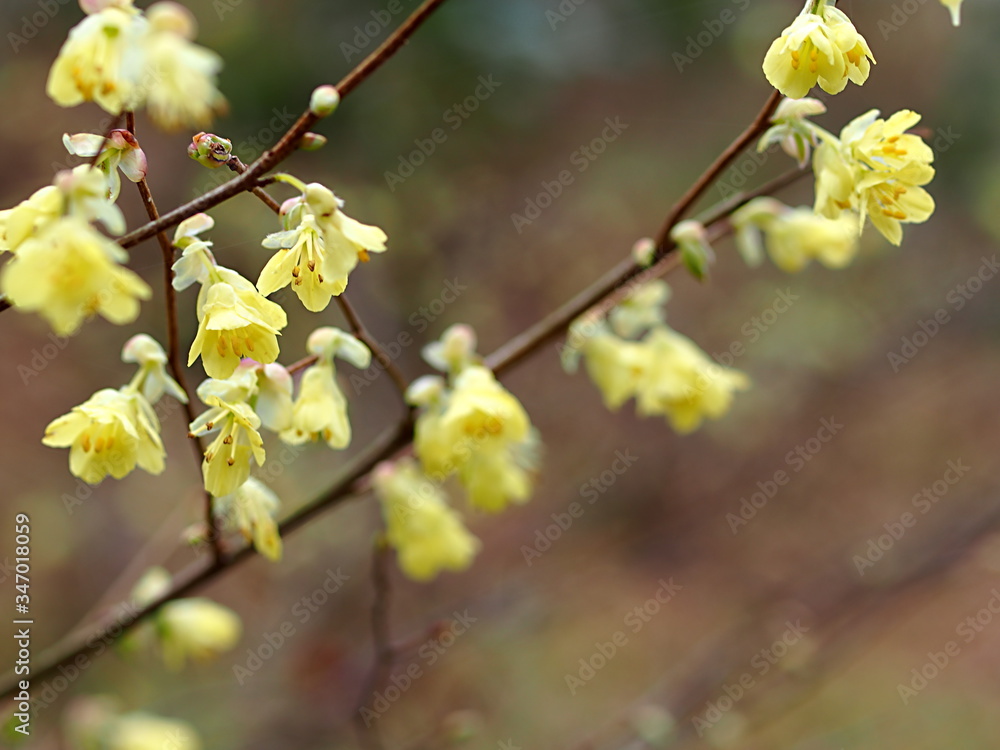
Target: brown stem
(384, 653)
(388, 444)
(290, 140)
(173, 346)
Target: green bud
(210, 150)
(312, 142)
(324, 101)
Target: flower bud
(210, 150)
(312, 142)
(324, 101)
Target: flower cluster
(62, 266)
(468, 426)
(634, 354)
(124, 59)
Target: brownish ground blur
(852, 633)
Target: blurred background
(785, 628)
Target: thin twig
(384, 447)
(290, 140)
(384, 653)
(173, 346)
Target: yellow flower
(97, 62)
(684, 384)
(68, 272)
(109, 434)
(152, 379)
(426, 533)
(315, 274)
(252, 509)
(180, 76)
(195, 629)
(25, 220)
(96, 723)
(318, 249)
(820, 46)
(955, 6)
(876, 169)
(641, 310)
(795, 237)
(616, 366)
(227, 459)
(477, 424)
(235, 322)
(120, 150)
(320, 411)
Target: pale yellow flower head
(120, 150)
(227, 460)
(152, 379)
(684, 384)
(795, 237)
(195, 629)
(877, 170)
(318, 249)
(820, 46)
(98, 61)
(69, 272)
(252, 510)
(616, 366)
(320, 410)
(97, 723)
(109, 434)
(427, 534)
(179, 79)
(29, 216)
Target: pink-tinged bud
(210, 150)
(312, 142)
(324, 101)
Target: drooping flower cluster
(318, 249)
(192, 629)
(471, 426)
(634, 354)
(426, 532)
(115, 430)
(251, 510)
(62, 267)
(820, 46)
(876, 170)
(123, 59)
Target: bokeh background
(668, 515)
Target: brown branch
(290, 140)
(384, 653)
(382, 448)
(173, 345)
